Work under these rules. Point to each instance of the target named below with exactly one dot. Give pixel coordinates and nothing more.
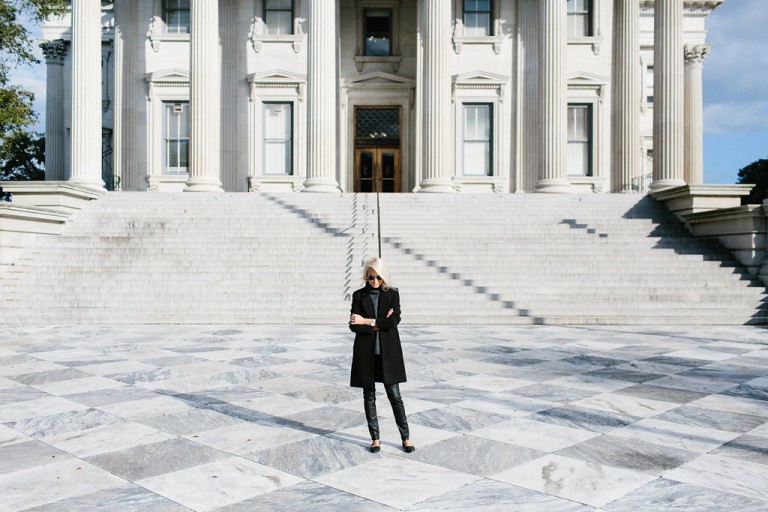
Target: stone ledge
(59, 196)
(22, 226)
(688, 199)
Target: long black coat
(391, 352)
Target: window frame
(394, 58)
(490, 171)
(165, 10)
(292, 11)
(495, 38)
(289, 141)
(166, 169)
(260, 32)
(594, 38)
(489, 12)
(589, 141)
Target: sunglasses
(375, 278)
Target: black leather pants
(393, 393)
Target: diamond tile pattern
(174, 418)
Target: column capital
(696, 53)
(54, 51)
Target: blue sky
(735, 89)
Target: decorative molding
(695, 54)
(54, 51)
(277, 79)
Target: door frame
(376, 175)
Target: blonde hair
(381, 269)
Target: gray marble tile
(474, 455)
(698, 384)
(307, 496)
(582, 418)
(625, 375)
(710, 418)
(455, 419)
(675, 361)
(748, 391)
(34, 379)
(21, 394)
(680, 396)
(109, 396)
(149, 460)
(24, 455)
(663, 494)
(310, 458)
(328, 394)
(442, 394)
(726, 371)
(191, 421)
(128, 497)
(70, 421)
(493, 496)
(636, 455)
(321, 421)
(554, 394)
(747, 447)
(724, 474)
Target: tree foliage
(757, 173)
(21, 156)
(15, 50)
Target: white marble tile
(84, 385)
(492, 383)
(534, 434)
(733, 404)
(10, 436)
(390, 436)
(249, 437)
(36, 408)
(146, 408)
(675, 435)
(596, 345)
(218, 483)
(6, 383)
(53, 482)
(512, 406)
(8, 370)
(584, 482)
(117, 367)
(106, 439)
(724, 474)
(761, 431)
(286, 384)
(591, 383)
(701, 353)
(623, 404)
(396, 481)
(279, 405)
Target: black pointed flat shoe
(375, 448)
(409, 448)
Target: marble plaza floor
(175, 418)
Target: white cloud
(736, 117)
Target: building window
(580, 18)
(378, 32)
(580, 140)
(477, 18)
(478, 139)
(176, 134)
(176, 16)
(278, 16)
(649, 84)
(278, 139)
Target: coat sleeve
(389, 322)
(357, 310)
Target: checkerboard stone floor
(173, 418)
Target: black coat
(392, 362)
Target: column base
(323, 186)
(437, 185)
(203, 185)
(657, 185)
(94, 185)
(555, 186)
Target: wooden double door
(377, 169)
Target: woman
(377, 354)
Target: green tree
(21, 156)
(16, 50)
(757, 173)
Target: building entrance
(377, 149)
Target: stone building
(377, 95)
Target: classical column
(55, 125)
(437, 146)
(321, 98)
(553, 96)
(668, 90)
(694, 122)
(530, 128)
(85, 128)
(626, 100)
(205, 98)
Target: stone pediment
(168, 76)
(481, 78)
(583, 78)
(277, 76)
(379, 78)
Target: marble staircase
(457, 259)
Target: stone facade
(377, 95)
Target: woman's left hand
(355, 319)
